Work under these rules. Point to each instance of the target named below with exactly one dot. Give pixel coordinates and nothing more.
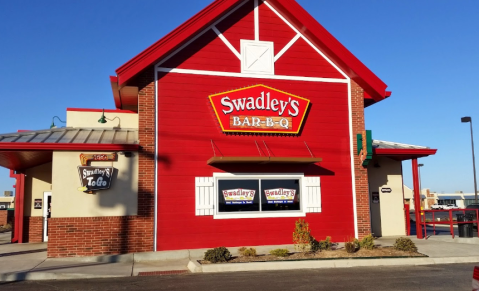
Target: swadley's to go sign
(259, 108)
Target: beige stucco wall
(387, 216)
(7, 202)
(90, 119)
(120, 200)
(409, 194)
(37, 180)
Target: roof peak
(290, 10)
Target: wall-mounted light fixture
(103, 118)
(53, 124)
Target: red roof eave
(26, 146)
(405, 153)
(299, 17)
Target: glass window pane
(238, 195)
(280, 195)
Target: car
(452, 206)
(436, 207)
(446, 207)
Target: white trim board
(155, 221)
(353, 173)
(286, 47)
(256, 20)
(256, 76)
(226, 42)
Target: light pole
(420, 189)
(469, 119)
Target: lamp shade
(102, 118)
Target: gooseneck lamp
(103, 118)
(53, 124)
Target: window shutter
(313, 194)
(205, 199)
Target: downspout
(19, 201)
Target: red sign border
(258, 131)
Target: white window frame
(259, 214)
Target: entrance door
(375, 213)
(47, 212)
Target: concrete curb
(196, 267)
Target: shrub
(322, 245)
(279, 252)
(351, 245)
(215, 255)
(315, 245)
(247, 252)
(367, 242)
(357, 243)
(302, 235)
(405, 244)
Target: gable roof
(375, 89)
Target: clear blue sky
(59, 54)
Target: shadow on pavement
(22, 253)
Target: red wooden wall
(186, 126)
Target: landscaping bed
(379, 252)
(308, 248)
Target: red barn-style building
(235, 125)
(256, 48)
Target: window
(262, 197)
(238, 195)
(446, 201)
(231, 196)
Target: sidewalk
(29, 262)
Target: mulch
(379, 252)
